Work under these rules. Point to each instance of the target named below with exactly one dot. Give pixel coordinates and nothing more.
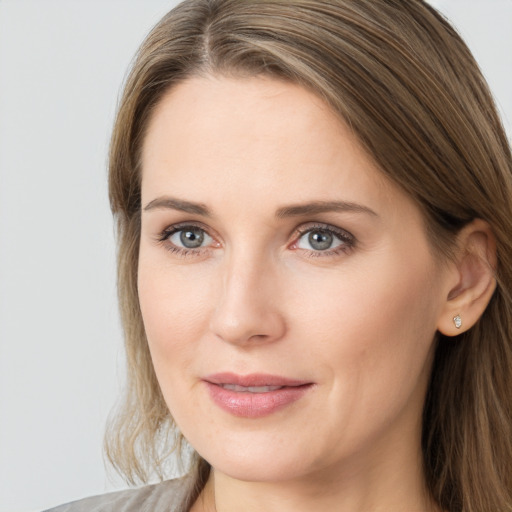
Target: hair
(404, 81)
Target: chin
(257, 463)
(268, 470)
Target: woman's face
(288, 291)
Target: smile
(254, 396)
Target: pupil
(320, 240)
(192, 238)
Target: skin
(358, 320)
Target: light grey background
(61, 66)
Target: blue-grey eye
(190, 238)
(319, 240)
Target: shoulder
(163, 497)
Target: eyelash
(164, 237)
(347, 240)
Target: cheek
(372, 330)
(371, 304)
(173, 305)
(174, 308)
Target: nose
(247, 311)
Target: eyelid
(322, 226)
(180, 226)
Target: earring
(457, 320)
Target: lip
(250, 404)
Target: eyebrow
(298, 210)
(172, 203)
(317, 207)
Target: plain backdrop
(61, 362)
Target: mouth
(255, 395)
(250, 389)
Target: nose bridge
(246, 310)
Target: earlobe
(474, 276)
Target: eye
(186, 239)
(325, 240)
(190, 238)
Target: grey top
(167, 496)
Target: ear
(471, 279)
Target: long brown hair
(400, 76)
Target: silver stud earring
(457, 320)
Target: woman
(313, 201)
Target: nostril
(255, 326)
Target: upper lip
(254, 380)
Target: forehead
(218, 139)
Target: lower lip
(255, 405)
